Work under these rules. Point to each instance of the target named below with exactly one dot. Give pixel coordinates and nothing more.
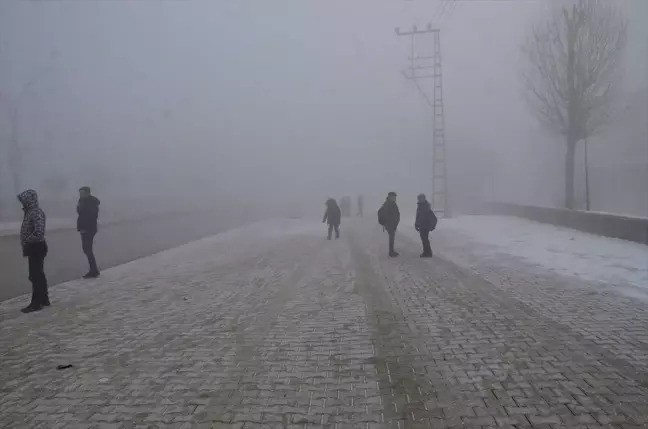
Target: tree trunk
(570, 159)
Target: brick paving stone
(595, 311)
(272, 326)
(451, 337)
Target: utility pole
(420, 68)
(587, 188)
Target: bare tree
(572, 73)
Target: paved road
(274, 327)
(115, 244)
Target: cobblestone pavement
(274, 327)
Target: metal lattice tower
(439, 198)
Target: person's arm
(79, 225)
(325, 216)
(417, 221)
(94, 212)
(37, 220)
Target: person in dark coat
(389, 218)
(425, 222)
(333, 216)
(34, 248)
(88, 211)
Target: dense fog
(281, 104)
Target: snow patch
(558, 249)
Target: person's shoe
(31, 308)
(426, 255)
(46, 303)
(393, 254)
(91, 275)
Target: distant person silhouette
(88, 211)
(426, 221)
(333, 216)
(34, 248)
(389, 218)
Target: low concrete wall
(605, 224)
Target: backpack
(433, 220)
(381, 216)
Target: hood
(331, 202)
(29, 199)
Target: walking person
(425, 222)
(88, 211)
(34, 248)
(389, 218)
(333, 216)
(360, 205)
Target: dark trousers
(36, 253)
(87, 242)
(330, 231)
(425, 240)
(392, 237)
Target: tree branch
(573, 67)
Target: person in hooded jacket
(425, 222)
(389, 218)
(88, 211)
(34, 248)
(333, 215)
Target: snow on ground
(561, 250)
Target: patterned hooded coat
(33, 224)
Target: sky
(285, 102)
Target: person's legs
(87, 242)
(392, 237)
(44, 285)
(330, 231)
(425, 240)
(337, 231)
(40, 277)
(33, 268)
(36, 260)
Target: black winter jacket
(425, 218)
(333, 213)
(88, 211)
(389, 215)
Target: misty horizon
(290, 103)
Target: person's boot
(46, 302)
(91, 275)
(32, 308)
(426, 254)
(393, 254)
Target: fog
(285, 103)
